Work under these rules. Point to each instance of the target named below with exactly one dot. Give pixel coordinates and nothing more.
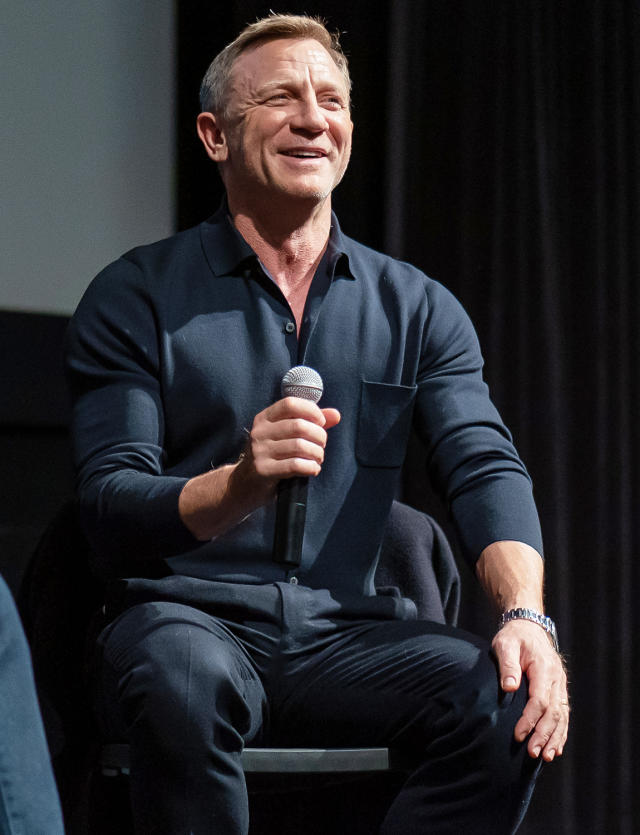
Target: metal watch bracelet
(536, 617)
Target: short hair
(214, 87)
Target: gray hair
(214, 87)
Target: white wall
(86, 160)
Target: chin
(315, 193)
(315, 196)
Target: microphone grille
(302, 381)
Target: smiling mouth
(301, 154)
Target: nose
(309, 115)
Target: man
(181, 437)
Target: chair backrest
(57, 599)
(416, 558)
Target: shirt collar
(227, 251)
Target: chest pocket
(384, 422)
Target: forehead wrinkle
(304, 76)
(320, 55)
(301, 66)
(316, 62)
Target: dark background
(496, 148)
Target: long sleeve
(128, 502)
(177, 346)
(471, 458)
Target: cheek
(342, 135)
(345, 147)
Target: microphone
(291, 508)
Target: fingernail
(551, 755)
(509, 682)
(536, 751)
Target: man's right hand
(287, 439)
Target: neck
(287, 230)
(290, 243)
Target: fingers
(545, 718)
(289, 438)
(551, 732)
(293, 407)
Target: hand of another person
(524, 647)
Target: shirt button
(290, 327)
(293, 581)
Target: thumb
(331, 417)
(509, 666)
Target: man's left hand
(524, 647)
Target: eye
(276, 98)
(331, 102)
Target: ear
(212, 137)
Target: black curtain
(496, 147)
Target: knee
(169, 670)
(469, 710)
(487, 716)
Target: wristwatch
(537, 617)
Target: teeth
(305, 154)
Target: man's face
(288, 125)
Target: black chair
(59, 600)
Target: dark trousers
(187, 689)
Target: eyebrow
(325, 87)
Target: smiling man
(286, 126)
(282, 142)
(181, 437)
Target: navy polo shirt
(176, 346)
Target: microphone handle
(291, 511)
